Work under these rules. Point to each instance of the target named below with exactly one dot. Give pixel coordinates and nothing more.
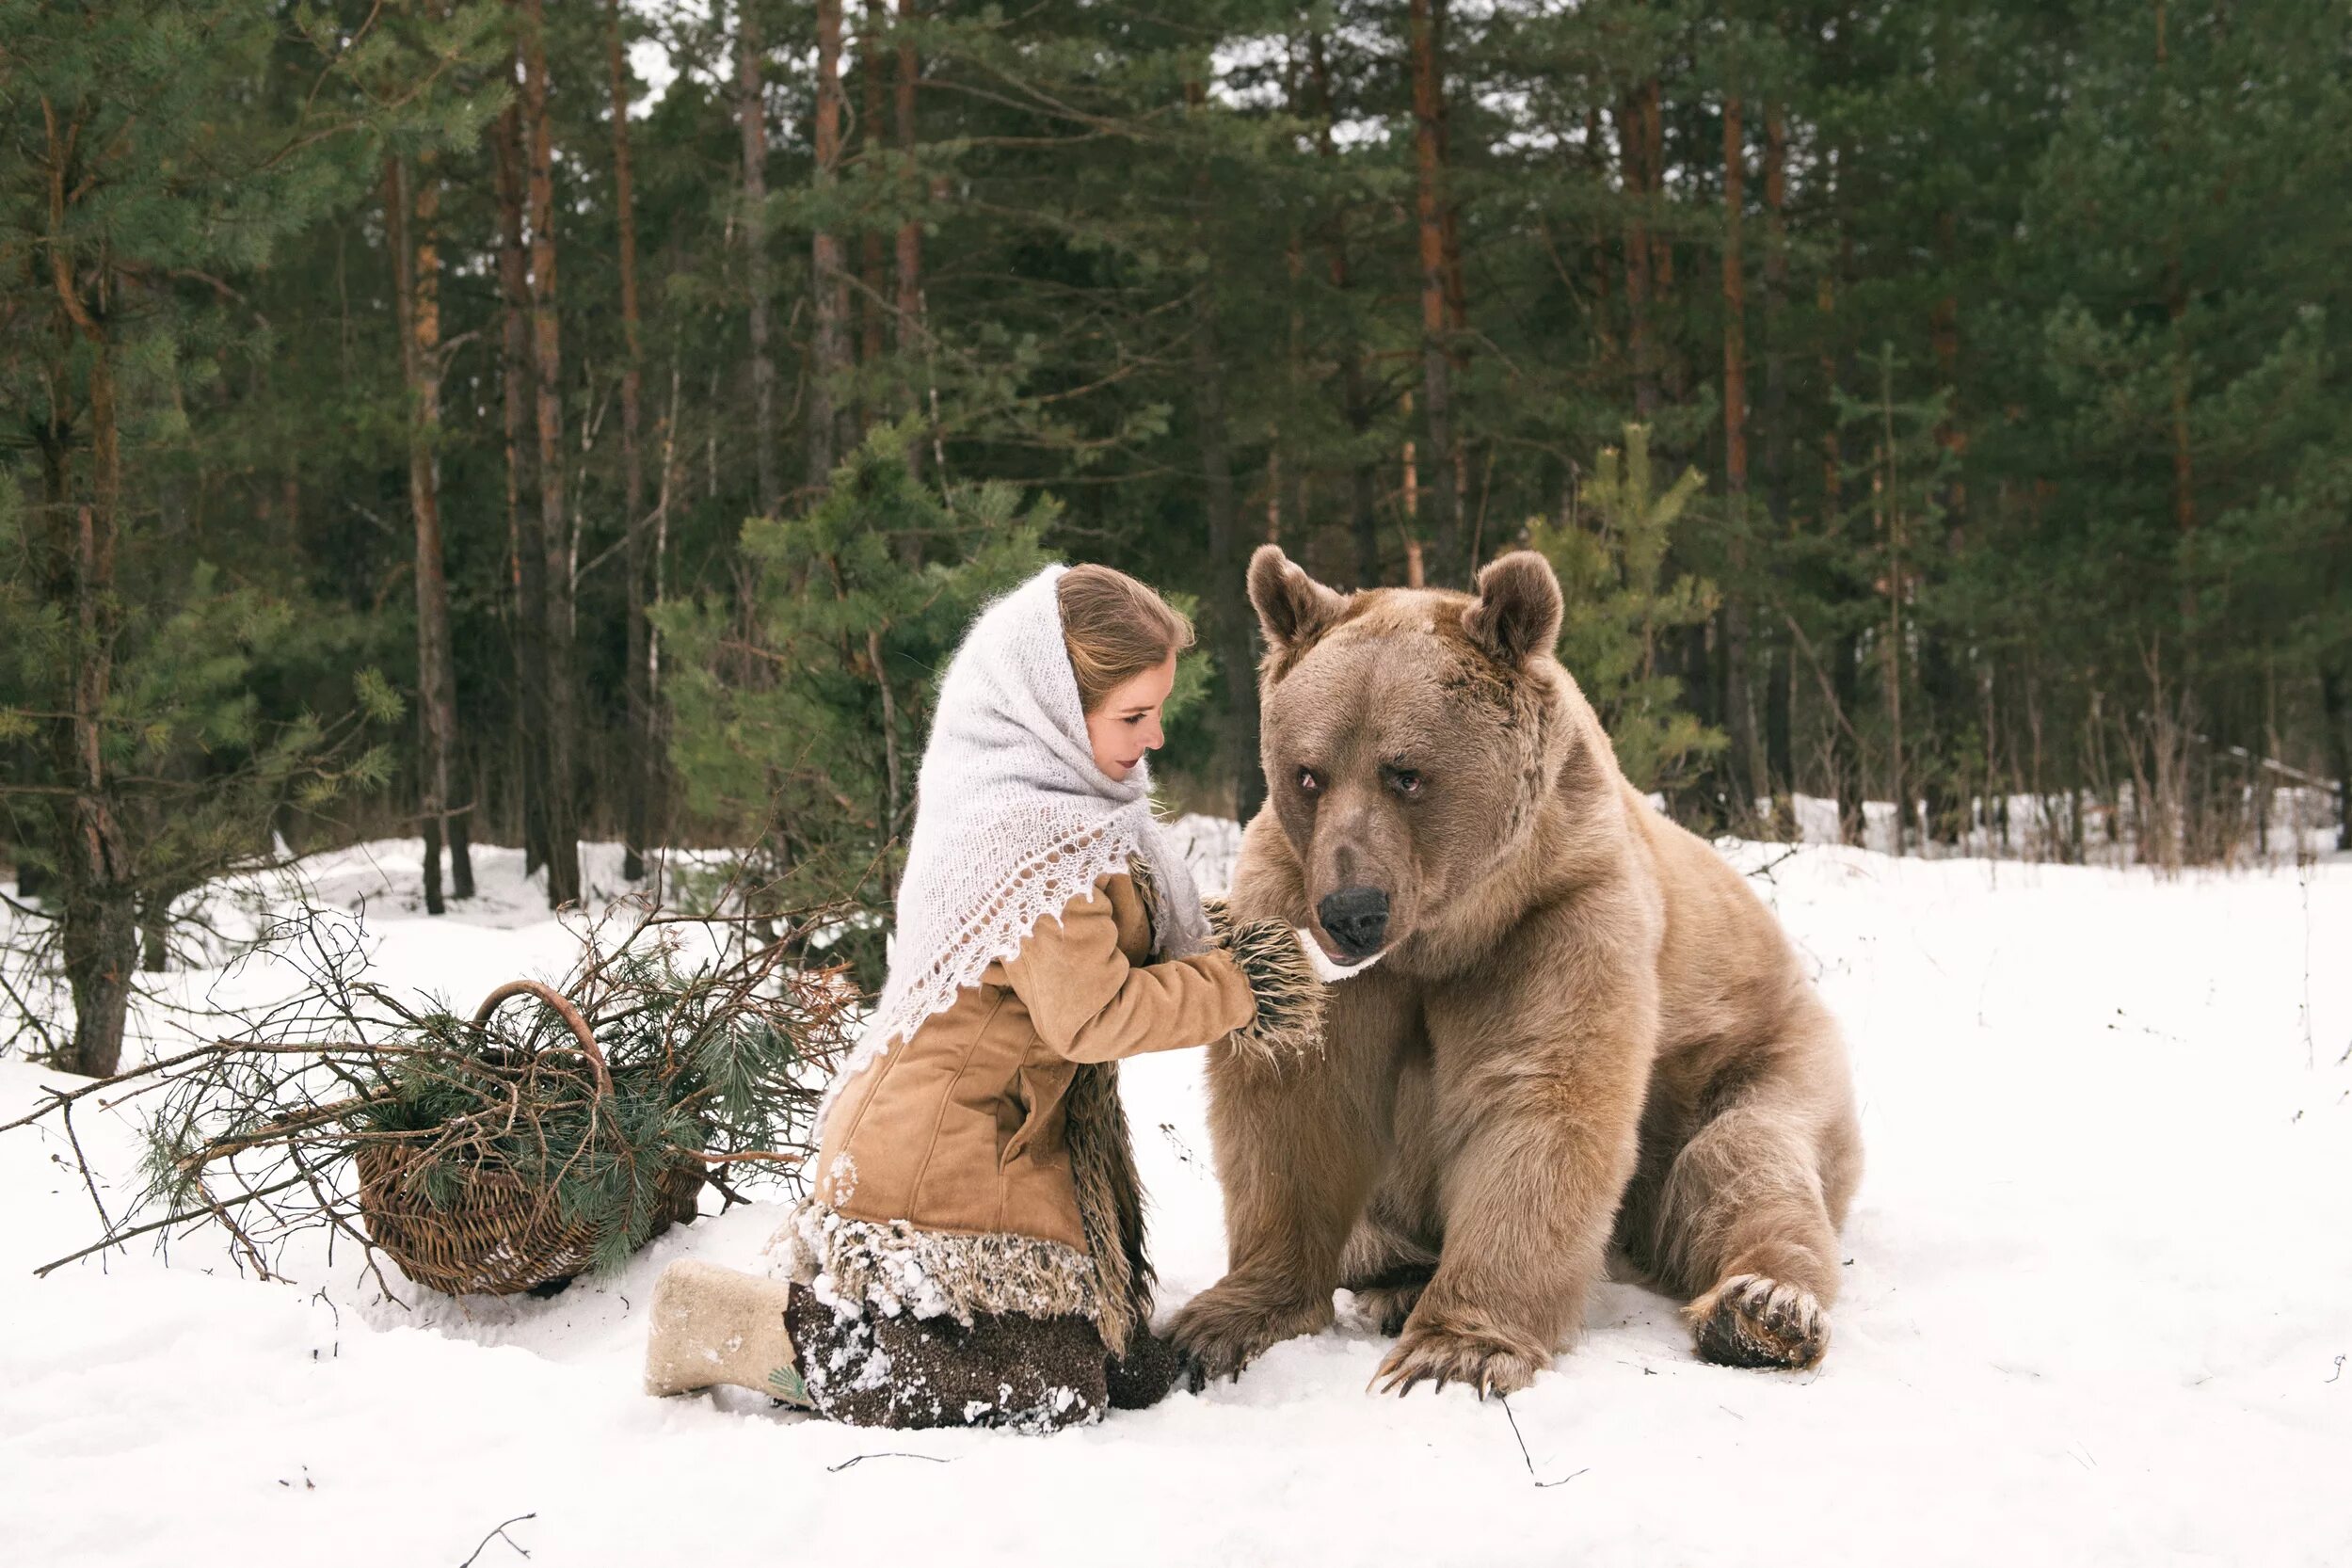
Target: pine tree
(162, 154)
(1610, 548)
(800, 713)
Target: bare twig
(1528, 1459)
(929, 1459)
(116, 1237)
(65, 1115)
(499, 1534)
(255, 1131)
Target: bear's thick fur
(1581, 1024)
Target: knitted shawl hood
(1013, 820)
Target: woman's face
(1127, 725)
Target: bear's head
(1409, 736)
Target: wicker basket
(500, 1235)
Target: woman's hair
(1115, 629)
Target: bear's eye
(1405, 782)
(1310, 782)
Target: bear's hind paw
(1748, 1320)
(1389, 1306)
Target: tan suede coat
(963, 1127)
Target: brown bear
(1581, 1024)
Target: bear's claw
(1221, 1330)
(1441, 1356)
(1750, 1321)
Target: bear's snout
(1356, 918)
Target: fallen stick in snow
(344, 1109)
(836, 1469)
(499, 1534)
(1528, 1459)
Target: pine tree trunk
(563, 702)
(1632, 154)
(99, 933)
(457, 782)
(1669, 364)
(1286, 489)
(1739, 690)
(526, 555)
(1228, 564)
(909, 302)
(1846, 764)
(1847, 759)
(874, 291)
(829, 370)
(752, 121)
(2183, 460)
(1228, 553)
(1941, 683)
(416, 295)
(1887, 497)
(2336, 706)
(1457, 307)
(2177, 374)
(1355, 393)
(1446, 553)
(1596, 240)
(642, 785)
(1779, 679)
(98, 925)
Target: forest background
(524, 421)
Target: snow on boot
(713, 1325)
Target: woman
(972, 1252)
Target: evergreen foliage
(1369, 279)
(714, 1053)
(802, 700)
(158, 152)
(1610, 553)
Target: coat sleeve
(1088, 1003)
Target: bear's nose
(1357, 920)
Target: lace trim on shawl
(1042, 885)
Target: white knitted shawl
(1013, 821)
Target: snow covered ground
(2099, 1310)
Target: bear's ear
(1291, 606)
(1518, 609)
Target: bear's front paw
(1227, 1326)
(1442, 1355)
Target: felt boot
(868, 1369)
(713, 1325)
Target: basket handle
(564, 1010)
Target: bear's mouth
(1331, 968)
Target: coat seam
(931, 1146)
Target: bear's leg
(1299, 1149)
(1391, 1256)
(1747, 1219)
(1539, 1096)
(1389, 1262)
